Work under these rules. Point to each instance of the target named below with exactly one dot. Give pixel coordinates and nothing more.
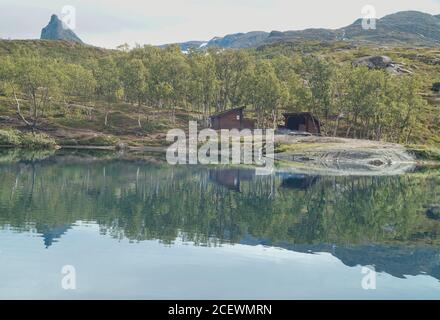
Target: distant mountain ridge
(409, 28)
(56, 31)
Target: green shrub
(10, 137)
(37, 141)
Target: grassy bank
(27, 140)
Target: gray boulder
(374, 62)
(382, 63)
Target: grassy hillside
(69, 51)
(84, 124)
(407, 28)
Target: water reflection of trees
(148, 201)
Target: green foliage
(318, 75)
(37, 141)
(134, 79)
(107, 77)
(78, 81)
(10, 137)
(27, 140)
(350, 101)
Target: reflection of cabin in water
(231, 178)
(231, 119)
(302, 121)
(299, 182)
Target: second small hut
(302, 121)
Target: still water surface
(143, 229)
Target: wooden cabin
(302, 121)
(231, 119)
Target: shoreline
(324, 157)
(89, 147)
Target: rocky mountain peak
(56, 30)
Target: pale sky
(108, 23)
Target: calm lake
(144, 229)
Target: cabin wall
(312, 126)
(232, 120)
(302, 122)
(248, 124)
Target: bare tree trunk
(408, 136)
(106, 118)
(19, 114)
(34, 99)
(379, 133)
(274, 117)
(335, 132)
(139, 114)
(348, 131)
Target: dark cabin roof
(223, 113)
(295, 114)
